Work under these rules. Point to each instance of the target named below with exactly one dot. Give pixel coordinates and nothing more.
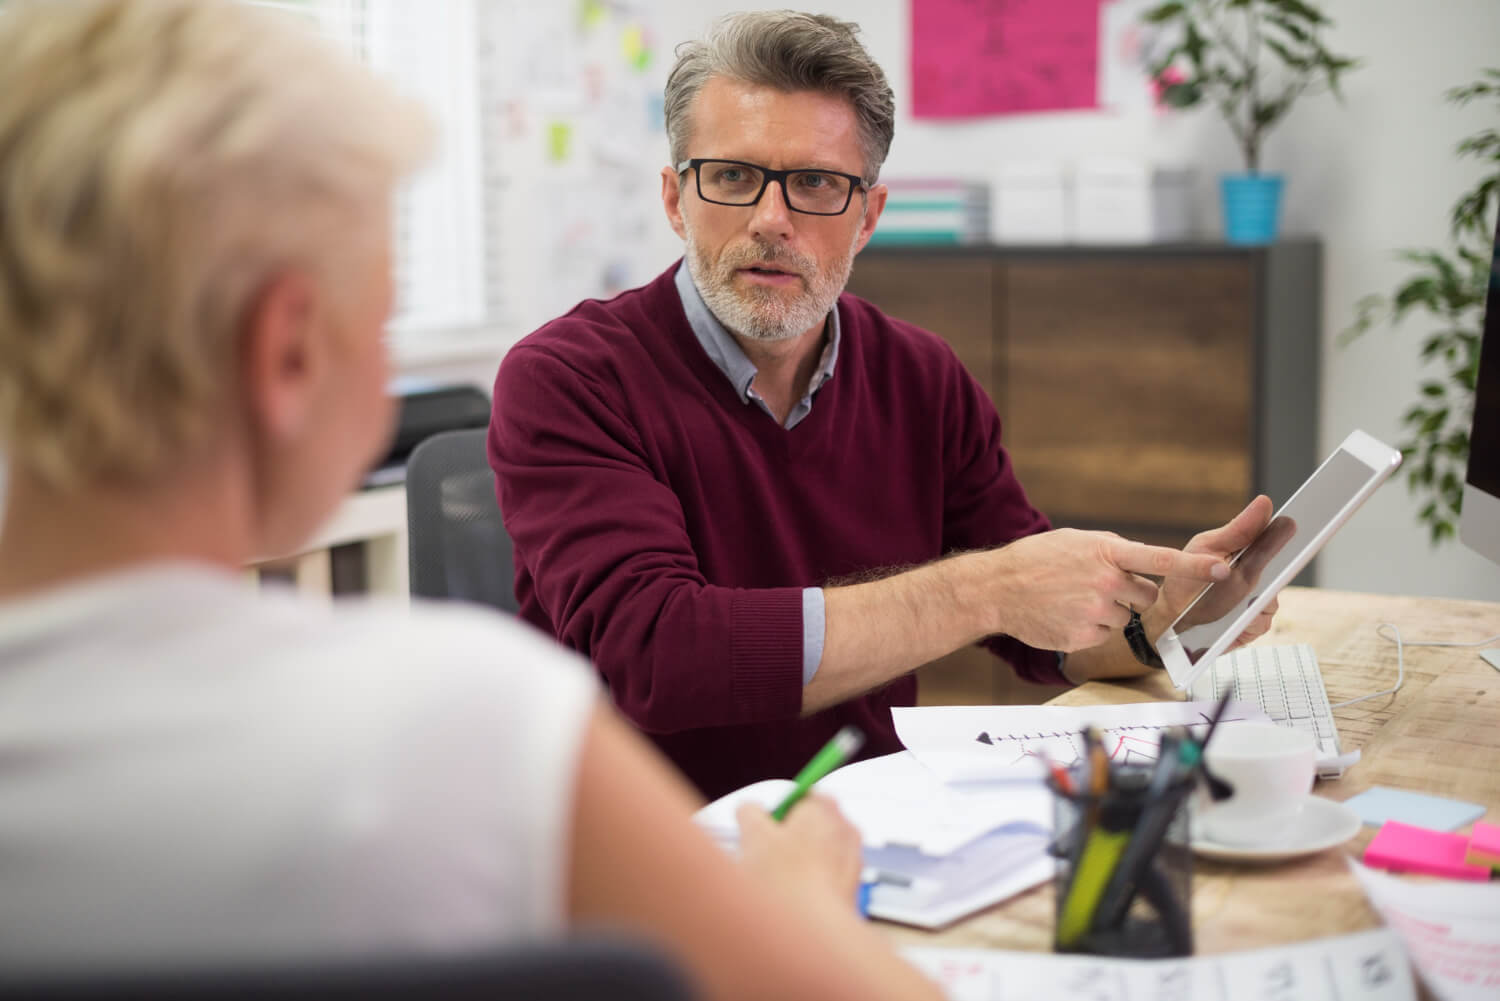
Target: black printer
(423, 413)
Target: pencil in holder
(1124, 867)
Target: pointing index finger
(1162, 561)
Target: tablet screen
(1294, 528)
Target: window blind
(544, 189)
(446, 282)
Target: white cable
(1401, 659)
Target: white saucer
(1321, 825)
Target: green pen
(834, 753)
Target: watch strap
(1135, 635)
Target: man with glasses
(758, 503)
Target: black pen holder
(1125, 869)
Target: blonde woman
(194, 278)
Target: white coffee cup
(1271, 768)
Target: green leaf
(1181, 95)
(1291, 27)
(1195, 45)
(1481, 143)
(1163, 14)
(1434, 389)
(1433, 422)
(1264, 114)
(1417, 292)
(1296, 8)
(1292, 59)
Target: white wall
(1369, 176)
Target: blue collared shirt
(725, 351)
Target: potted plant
(1450, 288)
(1252, 59)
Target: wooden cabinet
(1148, 390)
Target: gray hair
(161, 161)
(789, 51)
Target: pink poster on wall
(998, 57)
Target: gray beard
(762, 314)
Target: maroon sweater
(665, 529)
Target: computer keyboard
(1286, 683)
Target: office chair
(582, 970)
(457, 546)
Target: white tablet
(1208, 626)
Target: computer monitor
(1479, 525)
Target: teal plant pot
(1252, 207)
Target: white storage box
(1130, 201)
(1030, 204)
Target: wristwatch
(1135, 635)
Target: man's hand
(1068, 589)
(814, 849)
(1223, 542)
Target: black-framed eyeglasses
(809, 191)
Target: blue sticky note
(1378, 804)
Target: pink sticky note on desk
(1403, 848)
(1484, 845)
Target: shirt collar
(725, 351)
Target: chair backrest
(456, 543)
(583, 970)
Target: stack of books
(934, 211)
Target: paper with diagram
(985, 743)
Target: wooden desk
(1440, 734)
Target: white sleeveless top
(192, 772)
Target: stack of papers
(934, 852)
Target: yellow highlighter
(1096, 863)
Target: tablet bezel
(1380, 460)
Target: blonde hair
(789, 51)
(160, 160)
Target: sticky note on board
(634, 48)
(1378, 804)
(1403, 848)
(591, 13)
(1484, 845)
(559, 141)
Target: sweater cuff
(1030, 664)
(766, 653)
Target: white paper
(986, 871)
(1127, 46)
(986, 743)
(1451, 928)
(894, 800)
(1368, 965)
(953, 849)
